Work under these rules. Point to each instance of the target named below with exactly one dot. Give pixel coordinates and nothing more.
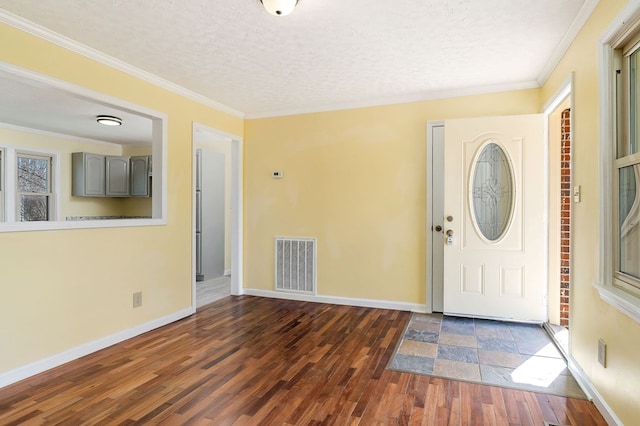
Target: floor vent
(296, 265)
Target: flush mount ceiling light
(109, 120)
(279, 7)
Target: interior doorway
(217, 215)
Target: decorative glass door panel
(491, 191)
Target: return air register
(296, 265)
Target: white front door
(494, 188)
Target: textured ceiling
(328, 54)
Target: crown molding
(421, 97)
(81, 49)
(583, 15)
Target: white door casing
(435, 215)
(504, 278)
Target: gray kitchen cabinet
(140, 171)
(88, 174)
(117, 176)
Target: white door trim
(429, 303)
(236, 208)
(563, 92)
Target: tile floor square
(413, 364)
(497, 345)
(425, 326)
(458, 340)
(457, 353)
(499, 359)
(421, 336)
(457, 328)
(411, 347)
(457, 370)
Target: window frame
(51, 181)
(620, 35)
(159, 139)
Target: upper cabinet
(140, 173)
(117, 177)
(96, 175)
(88, 174)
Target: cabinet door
(117, 176)
(140, 176)
(94, 174)
(88, 174)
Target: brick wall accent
(565, 215)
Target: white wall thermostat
(276, 174)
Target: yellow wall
(590, 318)
(355, 180)
(61, 289)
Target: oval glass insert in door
(492, 192)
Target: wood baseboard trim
(592, 393)
(53, 361)
(335, 300)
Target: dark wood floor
(249, 360)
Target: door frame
(429, 303)
(565, 90)
(236, 207)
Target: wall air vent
(296, 265)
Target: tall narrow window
(34, 183)
(627, 171)
(619, 134)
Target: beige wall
(355, 180)
(591, 318)
(61, 289)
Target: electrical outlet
(602, 353)
(137, 299)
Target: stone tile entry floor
(513, 355)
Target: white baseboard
(45, 364)
(335, 300)
(592, 393)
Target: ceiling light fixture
(279, 7)
(109, 120)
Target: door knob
(450, 233)
(438, 228)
